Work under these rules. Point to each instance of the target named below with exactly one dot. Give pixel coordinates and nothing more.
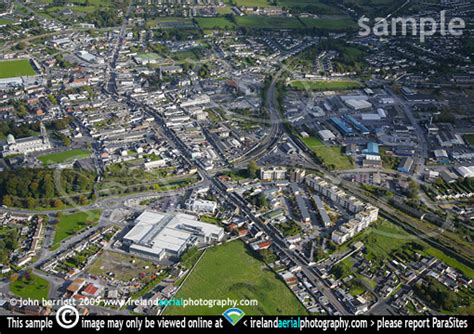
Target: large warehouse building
(158, 235)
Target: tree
(252, 169)
(31, 203)
(66, 141)
(7, 200)
(413, 189)
(82, 200)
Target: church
(27, 145)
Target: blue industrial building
(358, 125)
(372, 149)
(342, 126)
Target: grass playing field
(231, 271)
(55, 158)
(16, 68)
(70, 224)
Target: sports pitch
(16, 68)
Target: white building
(273, 173)
(27, 145)
(201, 205)
(158, 235)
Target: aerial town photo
(299, 164)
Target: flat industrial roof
(155, 231)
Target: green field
(5, 22)
(231, 271)
(55, 158)
(469, 138)
(16, 68)
(207, 23)
(70, 224)
(323, 85)
(315, 6)
(35, 288)
(170, 22)
(329, 23)
(268, 22)
(334, 23)
(330, 155)
(252, 3)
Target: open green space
(55, 158)
(331, 156)
(469, 138)
(170, 22)
(30, 286)
(333, 23)
(329, 23)
(252, 3)
(5, 21)
(214, 23)
(268, 22)
(70, 224)
(209, 219)
(232, 271)
(323, 85)
(313, 6)
(16, 68)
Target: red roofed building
(243, 232)
(90, 290)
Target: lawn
(469, 138)
(70, 224)
(330, 155)
(322, 85)
(55, 158)
(209, 219)
(231, 271)
(35, 288)
(16, 68)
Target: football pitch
(16, 68)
